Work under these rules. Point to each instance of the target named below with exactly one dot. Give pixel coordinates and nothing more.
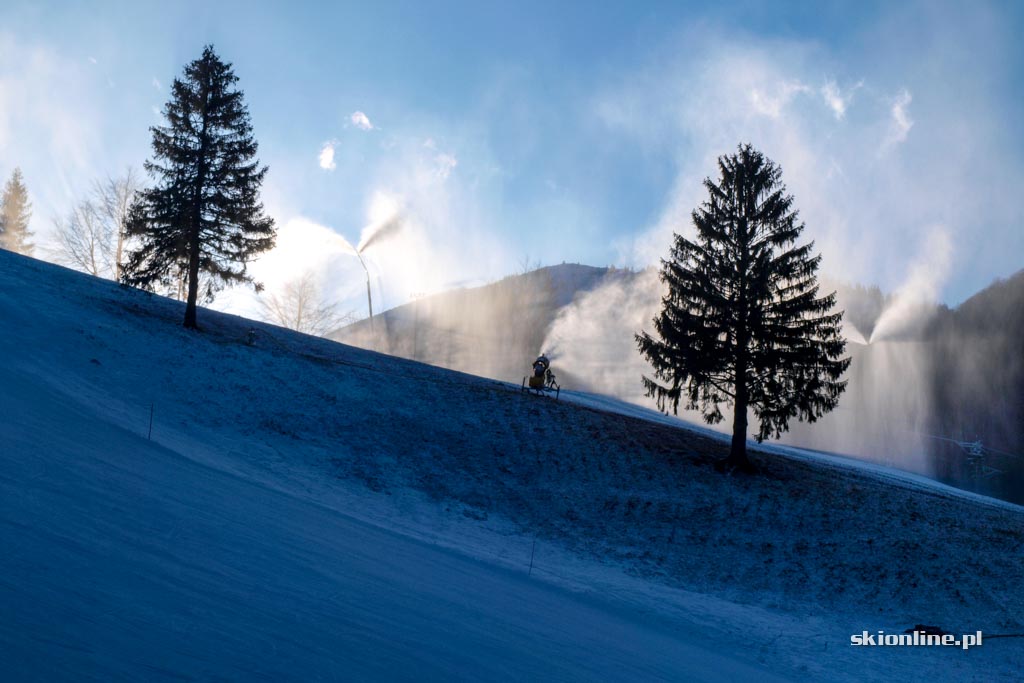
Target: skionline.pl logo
(966, 641)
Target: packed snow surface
(244, 503)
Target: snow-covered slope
(125, 560)
(303, 510)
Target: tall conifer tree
(15, 214)
(202, 219)
(743, 323)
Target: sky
(502, 135)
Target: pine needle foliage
(202, 220)
(743, 323)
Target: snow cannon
(542, 381)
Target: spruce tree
(202, 219)
(743, 323)
(15, 213)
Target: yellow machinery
(542, 381)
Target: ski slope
(133, 562)
(889, 475)
(301, 510)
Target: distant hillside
(492, 331)
(950, 384)
(978, 381)
(953, 376)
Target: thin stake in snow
(149, 436)
(532, 553)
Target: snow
(138, 562)
(310, 511)
(890, 475)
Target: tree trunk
(738, 449)
(197, 225)
(194, 249)
(193, 282)
(118, 253)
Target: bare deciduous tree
(300, 306)
(92, 236)
(84, 240)
(114, 197)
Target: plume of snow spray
(381, 232)
(346, 246)
(386, 221)
(851, 334)
(915, 299)
(592, 338)
(888, 404)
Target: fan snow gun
(542, 381)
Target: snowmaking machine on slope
(542, 381)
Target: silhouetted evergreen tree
(203, 217)
(743, 322)
(15, 213)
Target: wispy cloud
(837, 100)
(361, 121)
(901, 122)
(327, 156)
(157, 85)
(771, 101)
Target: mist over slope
(978, 382)
(493, 331)
(931, 380)
(227, 544)
(942, 392)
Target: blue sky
(548, 132)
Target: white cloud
(771, 102)
(901, 122)
(836, 99)
(156, 83)
(361, 121)
(92, 60)
(327, 156)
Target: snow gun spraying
(379, 232)
(542, 381)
